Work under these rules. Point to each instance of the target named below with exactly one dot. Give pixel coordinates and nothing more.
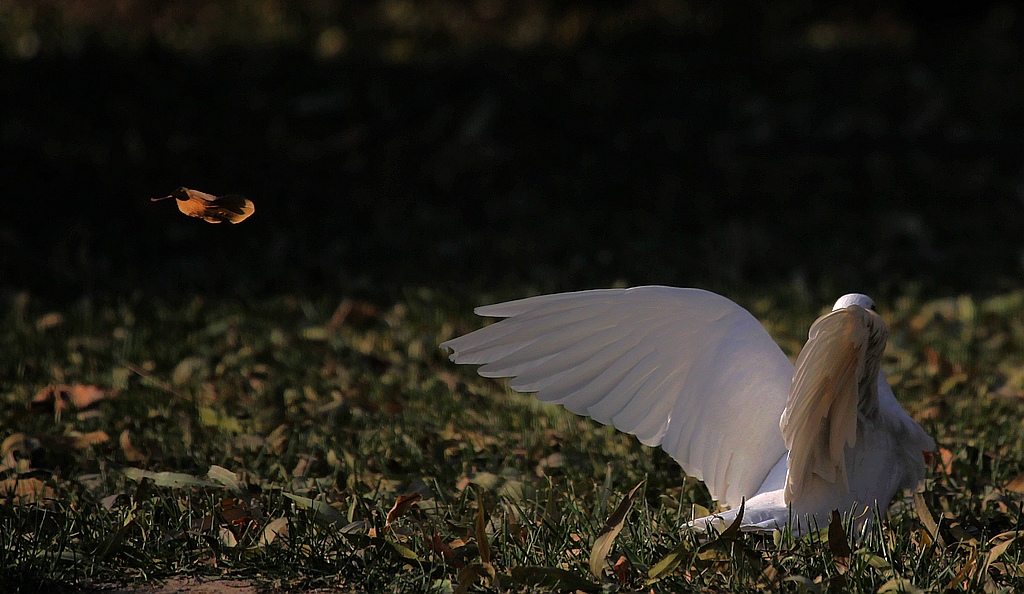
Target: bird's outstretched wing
(827, 397)
(685, 369)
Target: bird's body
(695, 373)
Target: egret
(695, 373)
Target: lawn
(298, 444)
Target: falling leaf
(611, 529)
(212, 209)
(402, 505)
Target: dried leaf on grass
(838, 543)
(714, 554)
(62, 396)
(1016, 484)
(925, 515)
(324, 513)
(169, 479)
(612, 527)
(230, 208)
(402, 504)
(21, 491)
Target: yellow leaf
(212, 209)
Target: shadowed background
(511, 146)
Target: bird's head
(854, 299)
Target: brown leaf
(838, 544)
(402, 505)
(473, 573)
(621, 569)
(481, 531)
(212, 209)
(446, 551)
(612, 527)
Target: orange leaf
(24, 490)
(402, 505)
(82, 396)
(1016, 485)
(212, 209)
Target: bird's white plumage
(675, 367)
(695, 373)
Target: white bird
(698, 375)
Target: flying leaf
(611, 529)
(212, 209)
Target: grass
(294, 426)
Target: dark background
(511, 146)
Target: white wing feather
(821, 416)
(685, 369)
